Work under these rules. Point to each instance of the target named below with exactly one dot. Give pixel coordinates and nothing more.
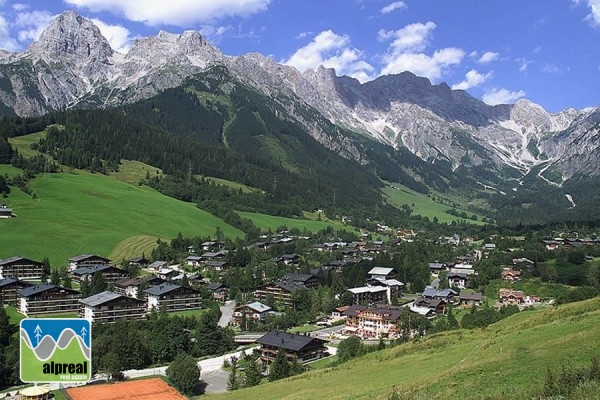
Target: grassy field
(265, 222)
(507, 360)
(232, 185)
(134, 171)
(82, 213)
(420, 204)
(23, 143)
(9, 170)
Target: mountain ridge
(72, 65)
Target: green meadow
(79, 213)
(507, 360)
(265, 222)
(421, 204)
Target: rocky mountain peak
(72, 37)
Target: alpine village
(226, 224)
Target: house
(436, 267)
(21, 268)
(138, 262)
(211, 246)
(157, 265)
(86, 260)
(288, 259)
(215, 265)
(372, 322)
(370, 295)
(511, 275)
(47, 298)
(552, 244)
(300, 347)
(470, 299)
(219, 291)
(167, 273)
(457, 280)
(194, 261)
(173, 297)
(214, 255)
(282, 289)
(131, 286)
(111, 307)
(382, 273)
(254, 312)
(446, 294)
(436, 305)
(511, 297)
(466, 259)
(5, 211)
(111, 274)
(338, 312)
(8, 290)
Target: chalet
(8, 290)
(552, 244)
(338, 312)
(382, 273)
(470, 299)
(111, 307)
(288, 259)
(255, 312)
(264, 246)
(300, 347)
(157, 265)
(138, 262)
(131, 286)
(370, 295)
(21, 268)
(194, 261)
(6, 212)
(457, 280)
(511, 297)
(436, 267)
(462, 268)
(423, 311)
(219, 291)
(173, 297)
(167, 273)
(511, 275)
(215, 265)
(214, 255)
(372, 322)
(211, 246)
(86, 260)
(446, 294)
(111, 274)
(466, 259)
(436, 305)
(282, 289)
(47, 299)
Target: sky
(547, 51)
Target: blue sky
(499, 51)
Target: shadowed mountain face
(47, 345)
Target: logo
(56, 350)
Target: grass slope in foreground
(89, 213)
(508, 360)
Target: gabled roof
(381, 271)
(11, 260)
(138, 281)
(216, 286)
(33, 290)
(96, 268)
(368, 289)
(258, 307)
(165, 288)
(83, 257)
(288, 341)
(157, 264)
(9, 281)
(104, 297)
(433, 292)
(471, 296)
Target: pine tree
(234, 381)
(280, 368)
(253, 374)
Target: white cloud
(432, 67)
(594, 15)
(183, 13)
(397, 5)
(502, 96)
(411, 38)
(20, 7)
(6, 41)
(32, 24)
(472, 79)
(488, 57)
(332, 51)
(523, 64)
(118, 36)
(550, 68)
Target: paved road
(226, 313)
